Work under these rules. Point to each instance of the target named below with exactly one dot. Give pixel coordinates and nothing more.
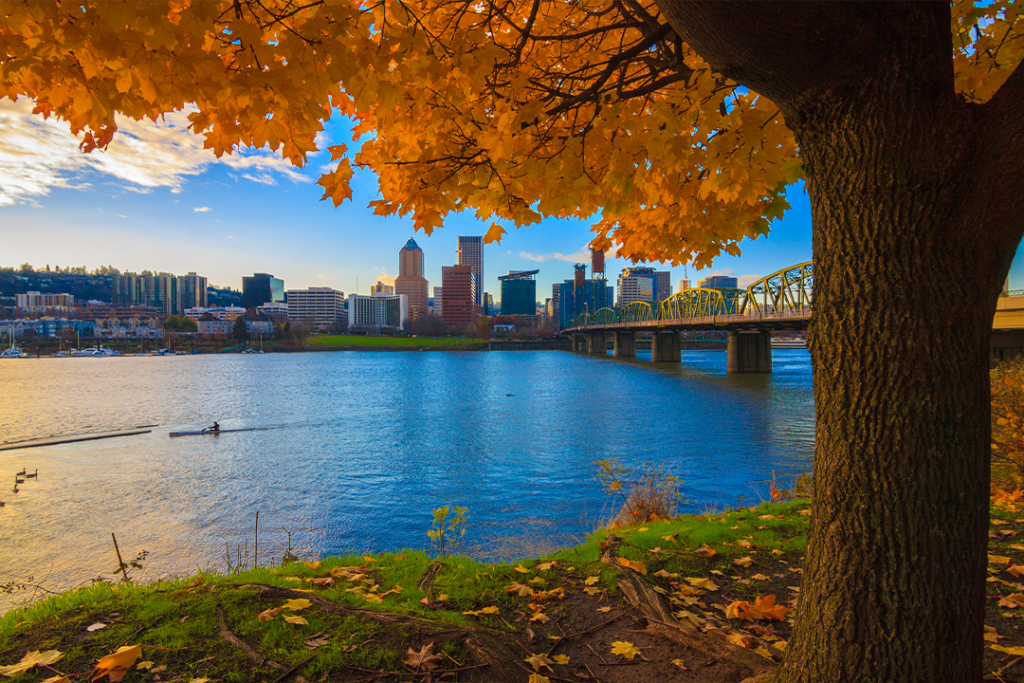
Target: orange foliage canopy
(516, 109)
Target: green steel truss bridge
(780, 301)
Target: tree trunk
(894, 575)
(914, 233)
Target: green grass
(358, 341)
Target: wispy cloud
(38, 155)
(582, 256)
(321, 276)
(201, 209)
(746, 280)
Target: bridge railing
(787, 293)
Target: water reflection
(360, 447)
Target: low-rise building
(322, 308)
(378, 312)
(211, 325)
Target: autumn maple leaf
(115, 666)
(424, 659)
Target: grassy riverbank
(681, 599)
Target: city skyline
(157, 201)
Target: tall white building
(634, 288)
(321, 307)
(471, 253)
(378, 311)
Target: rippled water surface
(360, 447)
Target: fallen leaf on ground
(706, 584)
(739, 610)
(679, 663)
(759, 577)
(662, 574)
(544, 566)
(1016, 600)
(561, 659)
(56, 679)
(749, 642)
(97, 626)
(268, 615)
(295, 619)
(777, 552)
(591, 580)
(1016, 569)
(538, 678)
(30, 660)
(991, 635)
(805, 512)
(1015, 651)
(144, 665)
(604, 609)
(638, 567)
(115, 666)
(296, 604)
(743, 561)
(316, 640)
(425, 658)
(625, 649)
(744, 543)
(538, 661)
(767, 609)
(705, 552)
(479, 612)
(521, 569)
(520, 588)
(541, 617)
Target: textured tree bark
(913, 200)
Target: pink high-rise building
(410, 280)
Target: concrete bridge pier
(666, 347)
(597, 344)
(625, 345)
(749, 352)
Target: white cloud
(321, 276)
(745, 281)
(37, 155)
(385, 278)
(201, 209)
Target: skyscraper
(410, 280)
(460, 290)
(519, 292)
(471, 253)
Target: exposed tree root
(487, 648)
(255, 656)
(426, 584)
(697, 647)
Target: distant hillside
(82, 286)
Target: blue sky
(156, 200)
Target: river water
(360, 447)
